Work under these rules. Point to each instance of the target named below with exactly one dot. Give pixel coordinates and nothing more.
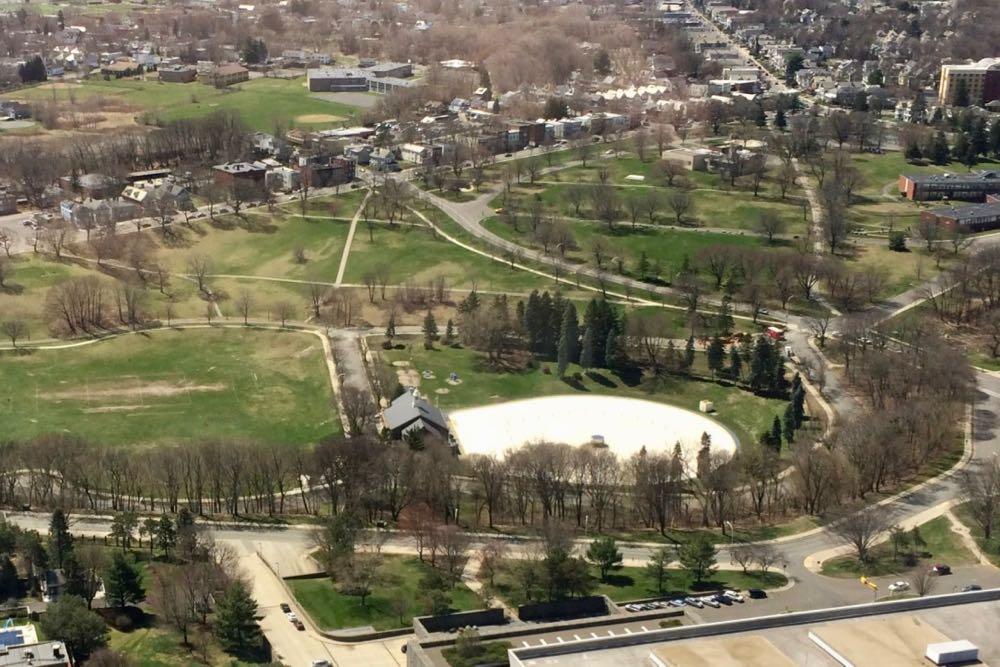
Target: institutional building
(982, 81)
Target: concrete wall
(563, 609)
(425, 625)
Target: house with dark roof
(412, 412)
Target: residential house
(89, 186)
(40, 654)
(324, 171)
(229, 174)
(94, 213)
(383, 159)
(358, 153)
(284, 179)
(415, 153)
(12, 110)
(410, 412)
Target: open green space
(932, 542)
(32, 276)
(259, 244)
(989, 547)
(636, 583)
(261, 103)
(173, 386)
(399, 578)
(665, 248)
(743, 412)
(416, 254)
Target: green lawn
(173, 386)
(635, 583)
(940, 544)
(33, 275)
(398, 578)
(741, 411)
(261, 103)
(260, 244)
(990, 547)
(408, 253)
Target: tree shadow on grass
(574, 383)
(12, 289)
(601, 379)
(619, 580)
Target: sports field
(261, 103)
(173, 386)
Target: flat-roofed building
(975, 218)
(973, 186)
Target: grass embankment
(399, 578)
(932, 542)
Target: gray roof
(409, 408)
(41, 654)
(968, 213)
(973, 177)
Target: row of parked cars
(292, 618)
(716, 600)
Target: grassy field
(940, 544)
(32, 276)
(635, 583)
(175, 386)
(743, 412)
(261, 103)
(666, 247)
(399, 577)
(409, 253)
(990, 547)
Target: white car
(291, 616)
(899, 586)
(695, 602)
(711, 601)
(734, 596)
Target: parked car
(298, 625)
(694, 602)
(321, 663)
(756, 593)
(722, 599)
(711, 601)
(733, 595)
(971, 587)
(285, 608)
(677, 602)
(899, 587)
(290, 615)
(631, 607)
(941, 569)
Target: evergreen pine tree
(961, 146)
(735, 363)
(799, 406)
(568, 339)
(776, 432)
(123, 583)
(449, 332)
(235, 618)
(788, 423)
(994, 138)
(689, 354)
(780, 121)
(918, 109)
(939, 153)
(60, 540)
(725, 325)
(979, 140)
(587, 349)
(430, 329)
(716, 355)
(390, 327)
(614, 353)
